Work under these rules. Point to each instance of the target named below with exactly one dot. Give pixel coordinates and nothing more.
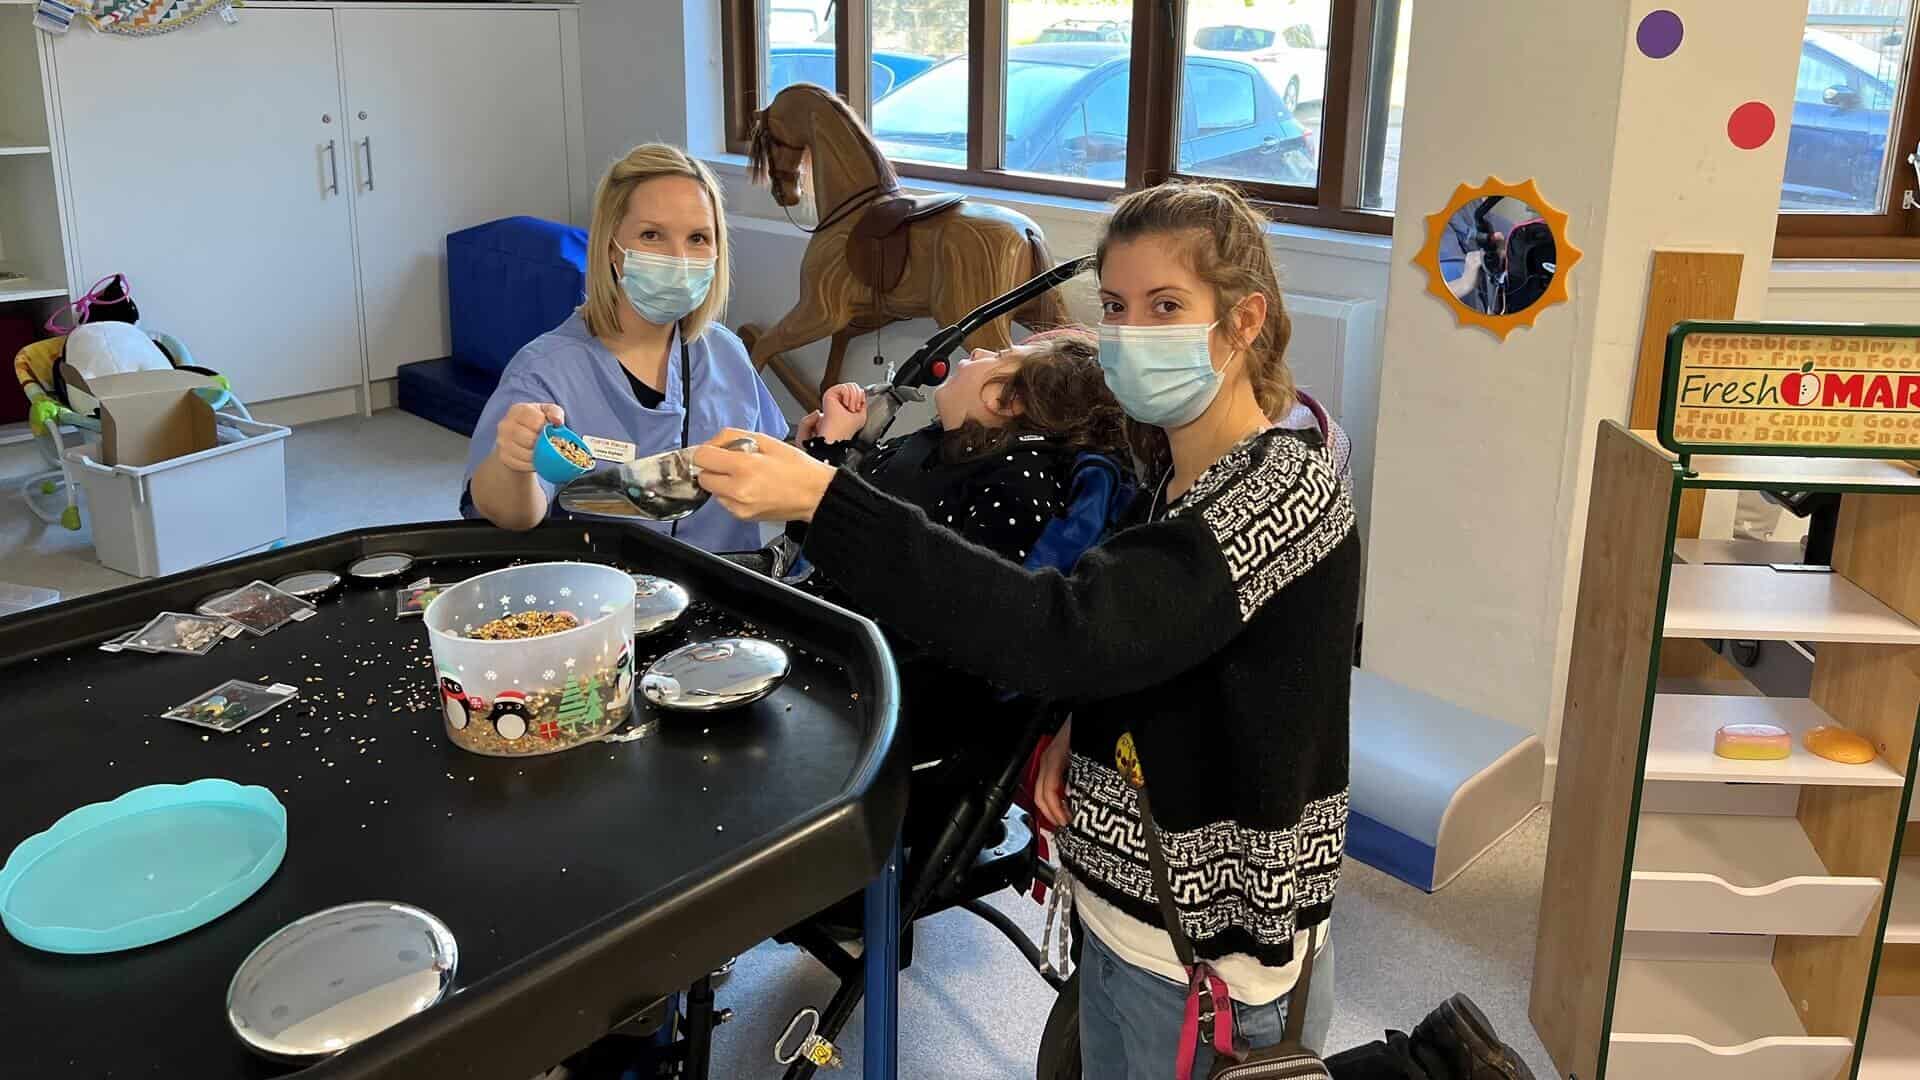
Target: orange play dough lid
(1838, 744)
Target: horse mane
(760, 139)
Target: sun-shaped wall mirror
(1498, 255)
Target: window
(1072, 99)
(1299, 101)
(1222, 100)
(1107, 109)
(1386, 100)
(1851, 187)
(1821, 77)
(797, 45)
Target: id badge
(610, 449)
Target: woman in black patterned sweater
(1206, 648)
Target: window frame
(1891, 233)
(1157, 50)
(1332, 202)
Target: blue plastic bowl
(553, 468)
(152, 864)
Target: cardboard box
(147, 417)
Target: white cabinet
(456, 119)
(280, 190)
(202, 165)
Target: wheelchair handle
(928, 362)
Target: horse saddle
(877, 249)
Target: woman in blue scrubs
(643, 366)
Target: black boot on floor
(1388, 1059)
(1460, 1035)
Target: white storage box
(154, 520)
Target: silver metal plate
(657, 604)
(719, 674)
(309, 584)
(329, 980)
(385, 564)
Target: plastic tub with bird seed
(534, 659)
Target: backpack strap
(1207, 998)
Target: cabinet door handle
(333, 168)
(367, 142)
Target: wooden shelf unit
(1893, 1040)
(1794, 864)
(30, 224)
(1714, 1020)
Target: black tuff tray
(581, 886)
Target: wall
(1672, 125)
(634, 72)
(1467, 550)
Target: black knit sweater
(1219, 635)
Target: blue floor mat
(449, 394)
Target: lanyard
(686, 413)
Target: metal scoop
(659, 487)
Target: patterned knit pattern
(1223, 875)
(1276, 507)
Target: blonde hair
(1225, 243)
(605, 298)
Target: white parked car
(1293, 59)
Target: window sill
(1793, 274)
(1815, 274)
(1361, 247)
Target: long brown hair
(1056, 391)
(1224, 241)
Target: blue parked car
(1067, 116)
(789, 64)
(1842, 113)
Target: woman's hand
(808, 427)
(780, 483)
(843, 411)
(1050, 785)
(519, 429)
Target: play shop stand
(1721, 919)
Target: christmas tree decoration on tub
(580, 710)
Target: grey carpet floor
(970, 1006)
(972, 1010)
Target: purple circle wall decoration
(1659, 34)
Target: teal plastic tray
(153, 863)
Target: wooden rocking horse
(880, 256)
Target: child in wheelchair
(996, 466)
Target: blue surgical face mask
(664, 288)
(1162, 375)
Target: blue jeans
(1130, 1018)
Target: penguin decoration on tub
(510, 715)
(623, 677)
(453, 701)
